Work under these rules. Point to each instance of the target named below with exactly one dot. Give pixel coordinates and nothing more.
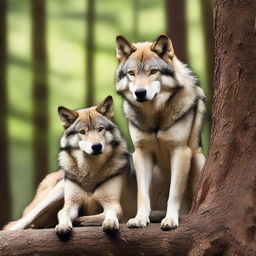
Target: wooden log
(87, 241)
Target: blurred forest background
(62, 52)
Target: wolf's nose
(141, 93)
(96, 147)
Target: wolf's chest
(86, 182)
(87, 174)
(148, 121)
(161, 140)
(90, 183)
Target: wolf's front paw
(110, 225)
(63, 231)
(170, 222)
(138, 222)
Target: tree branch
(87, 241)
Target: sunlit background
(67, 24)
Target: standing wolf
(165, 107)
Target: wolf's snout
(141, 94)
(96, 147)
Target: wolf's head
(145, 69)
(90, 129)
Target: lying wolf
(165, 108)
(94, 163)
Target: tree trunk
(176, 27)
(222, 219)
(90, 53)
(5, 199)
(226, 197)
(135, 24)
(40, 89)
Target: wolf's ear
(106, 108)
(163, 46)
(123, 48)
(67, 116)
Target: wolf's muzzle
(97, 148)
(141, 94)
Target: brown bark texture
(5, 199)
(176, 27)
(225, 199)
(40, 89)
(222, 220)
(89, 241)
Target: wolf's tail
(200, 110)
(198, 158)
(90, 220)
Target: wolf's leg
(73, 198)
(44, 188)
(180, 166)
(65, 217)
(112, 211)
(108, 195)
(143, 163)
(54, 196)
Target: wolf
(165, 109)
(94, 162)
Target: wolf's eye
(82, 132)
(100, 128)
(153, 71)
(131, 73)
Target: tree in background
(90, 48)
(40, 89)
(135, 24)
(5, 198)
(176, 27)
(207, 21)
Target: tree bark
(89, 241)
(90, 45)
(222, 219)
(40, 89)
(176, 27)
(5, 199)
(225, 196)
(86, 241)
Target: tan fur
(174, 146)
(165, 109)
(83, 171)
(42, 191)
